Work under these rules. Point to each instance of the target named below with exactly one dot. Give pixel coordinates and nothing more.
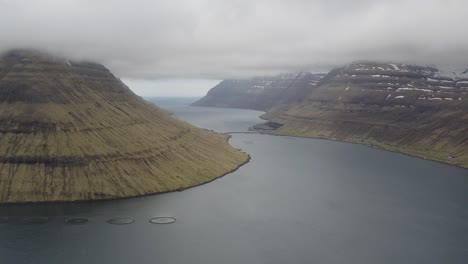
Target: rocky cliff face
(406, 108)
(73, 131)
(259, 93)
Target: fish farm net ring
(121, 221)
(35, 220)
(77, 220)
(162, 220)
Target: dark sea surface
(297, 201)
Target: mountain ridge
(72, 131)
(398, 107)
(258, 93)
(421, 110)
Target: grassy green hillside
(404, 108)
(72, 131)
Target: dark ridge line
(82, 160)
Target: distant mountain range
(418, 110)
(260, 93)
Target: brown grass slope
(72, 131)
(397, 107)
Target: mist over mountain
(73, 131)
(214, 40)
(418, 110)
(260, 93)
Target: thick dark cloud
(219, 39)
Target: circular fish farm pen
(77, 221)
(35, 220)
(162, 220)
(121, 221)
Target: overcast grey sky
(171, 87)
(212, 39)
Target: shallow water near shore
(298, 200)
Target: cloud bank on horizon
(220, 39)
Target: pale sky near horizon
(214, 40)
(170, 87)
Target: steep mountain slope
(259, 93)
(72, 131)
(406, 108)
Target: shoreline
(135, 196)
(272, 132)
(248, 159)
(367, 145)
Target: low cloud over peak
(222, 39)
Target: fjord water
(297, 201)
